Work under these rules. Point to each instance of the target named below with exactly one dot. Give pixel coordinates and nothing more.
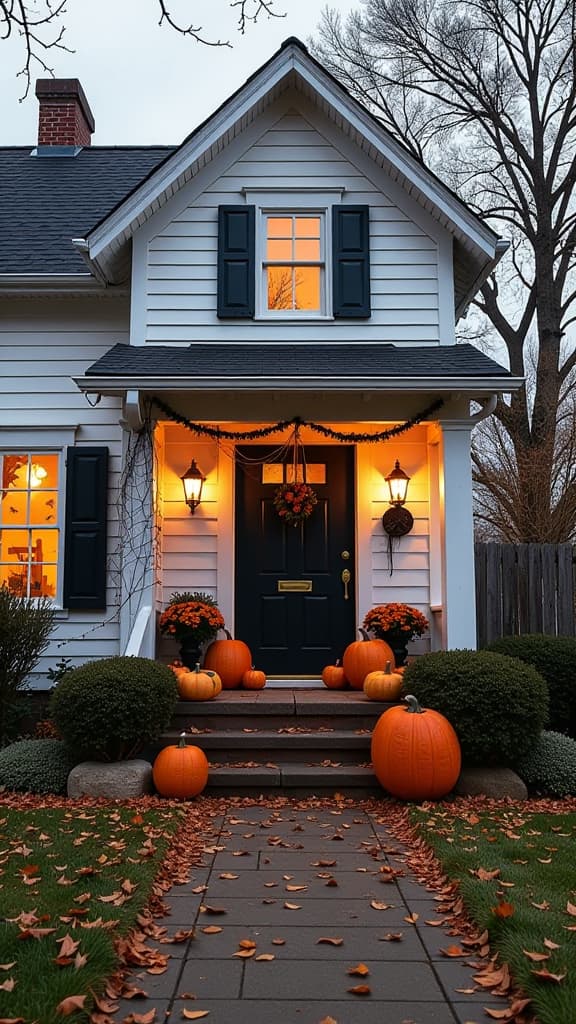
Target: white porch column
(459, 597)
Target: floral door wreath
(294, 502)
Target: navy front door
(293, 608)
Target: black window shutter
(236, 261)
(351, 261)
(85, 528)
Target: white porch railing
(139, 630)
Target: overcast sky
(147, 84)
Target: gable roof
(476, 246)
(47, 201)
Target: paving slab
(388, 982)
(273, 912)
(332, 885)
(361, 860)
(301, 943)
(363, 1011)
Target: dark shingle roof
(304, 360)
(47, 201)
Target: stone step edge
(265, 738)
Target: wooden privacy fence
(524, 588)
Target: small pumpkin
(383, 685)
(230, 659)
(415, 752)
(180, 771)
(334, 677)
(198, 684)
(364, 656)
(254, 679)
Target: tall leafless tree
(40, 24)
(485, 90)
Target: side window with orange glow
(294, 263)
(29, 523)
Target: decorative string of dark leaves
(218, 433)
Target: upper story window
(293, 264)
(30, 523)
(309, 260)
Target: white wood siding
(179, 260)
(42, 344)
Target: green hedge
(554, 657)
(36, 766)
(497, 705)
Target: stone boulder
(118, 780)
(493, 782)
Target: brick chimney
(65, 118)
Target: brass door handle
(346, 576)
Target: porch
(276, 740)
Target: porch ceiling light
(193, 482)
(397, 521)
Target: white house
(289, 263)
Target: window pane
(42, 580)
(14, 472)
(14, 546)
(307, 249)
(44, 545)
(272, 473)
(279, 250)
(308, 288)
(279, 227)
(15, 578)
(280, 288)
(308, 227)
(43, 507)
(14, 507)
(44, 471)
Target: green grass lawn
(534, 887)
(71, 878)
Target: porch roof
(321, 366)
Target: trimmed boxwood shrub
(36, 766)
(497, 705)
(550, 766)
(109, 709)
(554, 657)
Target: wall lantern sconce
(397, 521)
(193, 482)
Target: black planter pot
(190, 653)
(398, 643)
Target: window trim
(51, 441)
(293, 201)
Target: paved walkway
(283, 880)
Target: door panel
(294, 632)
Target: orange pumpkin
(333, 676)
(415, 752)
(180, 771)
(364, 656)
(230, 659)
(383, 685)
(254, 679)
(198, 684)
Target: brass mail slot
(300, 586)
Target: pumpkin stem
(197, 669)
(413, 704)
(182, 742)
(388, 669)
(364, 633)
(228, 634)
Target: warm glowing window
(294, 262)
(29, 523)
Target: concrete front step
(300, 740)
(264, 745)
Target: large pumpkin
(230, 659)
(333, 676)
(364, 656)
(198, 684)
(415, 752)
(383, 684)
(180, 771)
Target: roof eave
(118, 385)
(13, 285)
